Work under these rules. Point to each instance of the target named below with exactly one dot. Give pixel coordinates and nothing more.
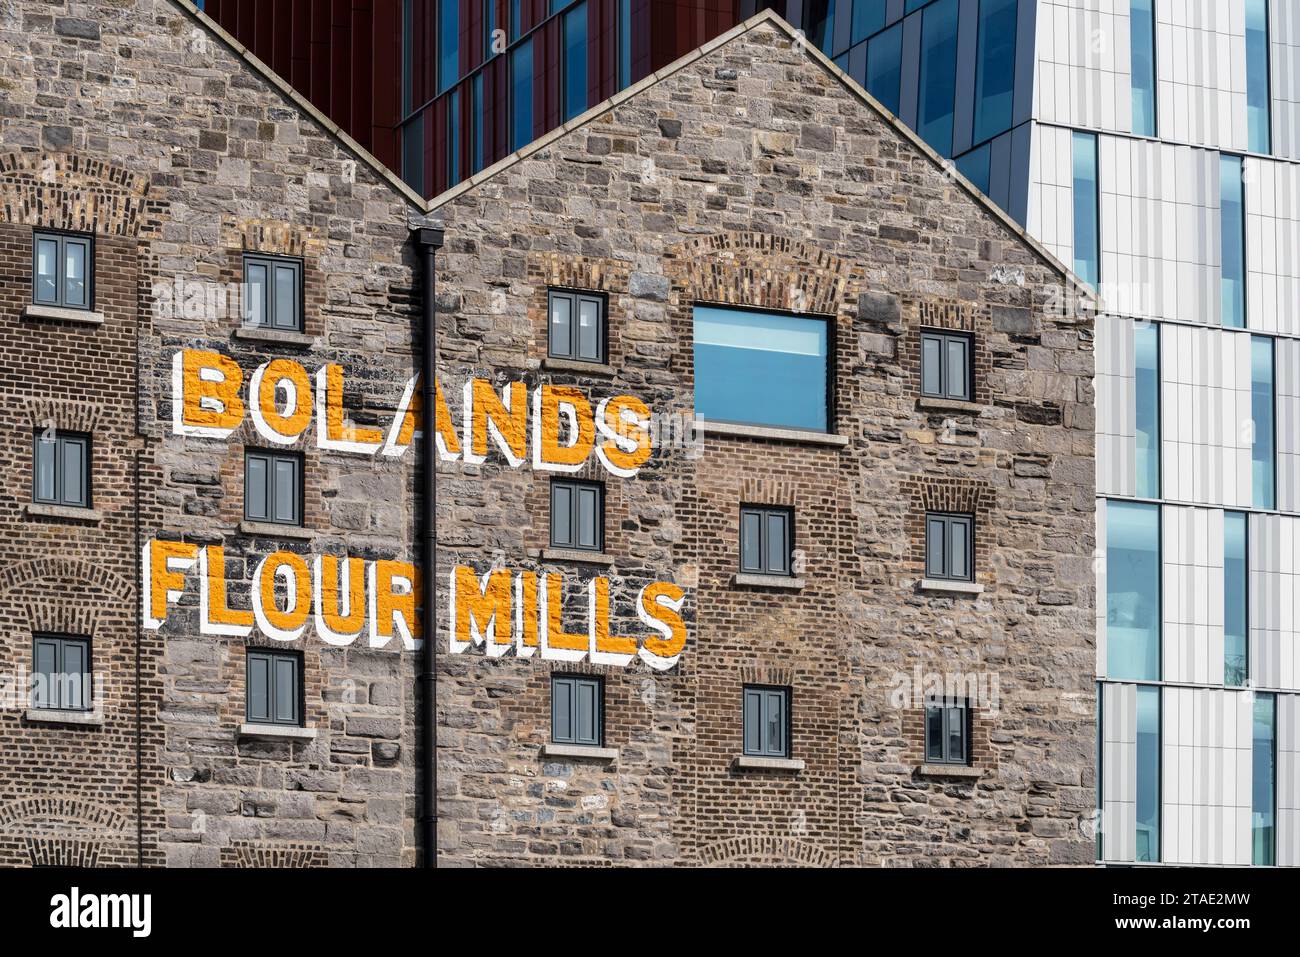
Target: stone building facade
(752, 174)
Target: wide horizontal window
(761, 368)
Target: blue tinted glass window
(521, 96)
(514, 19)
(885, 67)
(575, 62)
(1132, 591)
(1233, 224)
(868, 17)
(975, 167)
(760, 368)
(1148, 774)
(821, 25)
(1263, 787)
(453, 138)
(1235, 584)
(448, 43)
(1261, 407)
(476, 92)
(413, 153)
(1257, 54)
(915, 4)
(938, 75)
(995, 70)
(1142, 66)
(1146, 361)
(489, 27)
(624, 44)
(1085, 208)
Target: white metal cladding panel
(1192, 600)
(1099, 563)
(1284, 84)
(1206, 424)
(1051, 191)
(1205, 747)
(1084, 65)
(1116, 407)
(1274, 564)
(1201, 72)
(1287, 387)
(1160, 230)
(1272, 192)
(1288, 780)
(1119, 771)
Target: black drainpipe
(430, 241)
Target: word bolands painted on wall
(345, 597)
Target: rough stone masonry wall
(130, 120)
(754, 177)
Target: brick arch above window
(261, 854)
(65, 415)
(62, 618)
(36, 813)
(41, 572)
(946, 315)
(760, 850)
(762, 271)
(79, 193)
(579, 272)
(954, 495)
(273, 237)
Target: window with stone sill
(766, 715)
(947, 733)
(273, 678)
(63, 265)
(765, 540)
(61, 673)
(949, 547)
(946, 366)
(62, 469)
(576, 325)
(577, 710)
(273, 293)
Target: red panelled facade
(347, 57)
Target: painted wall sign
(555, 429)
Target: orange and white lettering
(282, 624)
(165, 564)
(394, 595)
(558, 644)
(624, 423)
(659, 607)
(607, 649)
(550, 454)
(480, 609)
(205, 394)
(332, 432)
(339, 598)
(504, 419)
(216, 617)
(526, 640)
(283, 427)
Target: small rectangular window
(273, 293)
(61, 673)
(1087, 229)
(765, 540)
(273, 487)
(62, 469)
(767, 721)
(947, 733)
(577, 515)
(62, 267)
(946, 365)
(577, 326)
(274, 685)
(949, 547)
(577, 710)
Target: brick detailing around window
(961, 496)
(983, 756)
(765, 851)
(260, 854)
(612, 277)
(272, 238)
(951, 316)
(76, 192)
(65, 831)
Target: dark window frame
(575, 298)
(786, 693)
(62, 236)
(945, 755)
(61, 437)
(61, 643)
(949, 519)
(273, 455)
(271, 263)
(764, 512)
(944, 337)
(575, 485)
(300, 691)
(598, 723)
